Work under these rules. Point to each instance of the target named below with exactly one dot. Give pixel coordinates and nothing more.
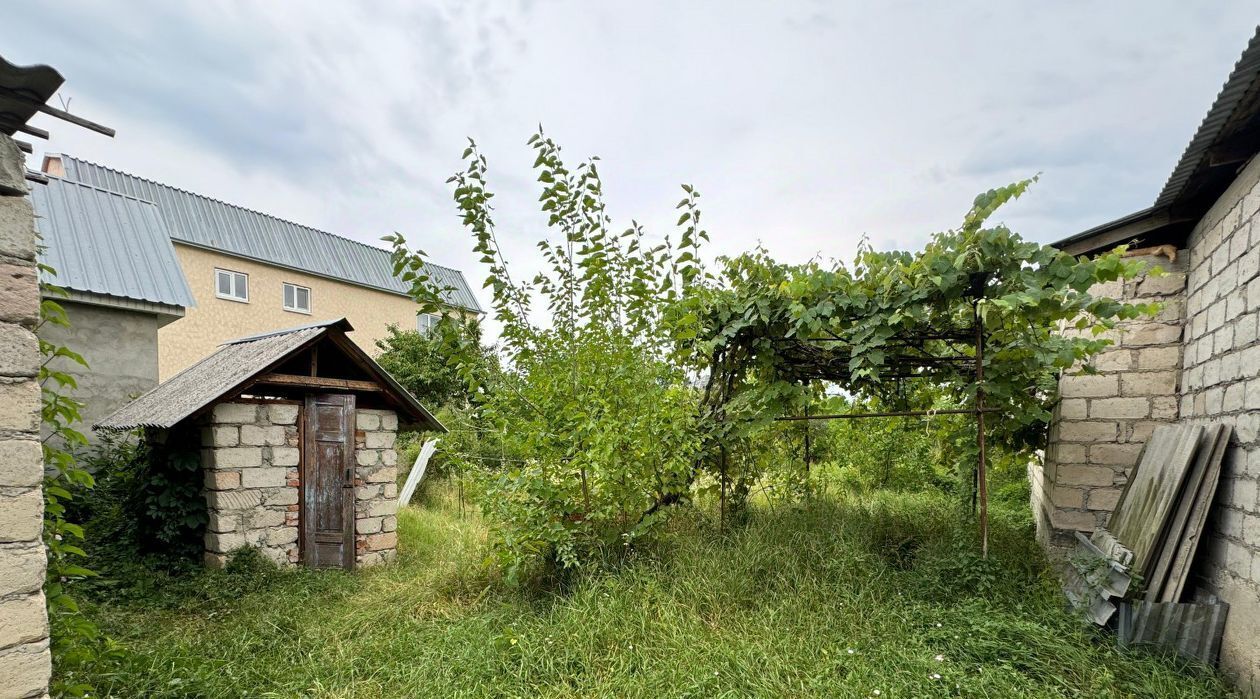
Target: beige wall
(215, 320)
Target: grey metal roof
(197, 220)
(1240, 81)
(228, 369)
(108, 243)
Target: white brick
(279, 414)
(1150, 383)
(284, 456)
(380, 440)
(257, 435)
(263, 477)
(262, 518)
(287, 495)
(235, 413)
(366, 420)
(224, 542)
(238, 457)
(21, 515)
(23, 620)
(21, 463)
(1130, 408)
(24, 669)
(22, 569)
(1086, 386)
(389, 421)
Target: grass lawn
(843, 598)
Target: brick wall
(1104, 418)
(250, 456)
(1221, 383)
(25, 661)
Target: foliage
(419, 361)
(76, 640)
(772, 609)
(596, 421)
(757, 332)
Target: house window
(233, 286)
(297, 298)
(425, 322)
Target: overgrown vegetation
(841, 598)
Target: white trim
(233, 275)
(295, 308)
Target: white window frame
(425, 322)
(284, 288)
(234, 276)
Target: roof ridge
(103, 190)
(224, 203)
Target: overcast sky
(805, 125)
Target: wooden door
(328, 482)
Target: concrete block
(367, 457)
(281, 536)
(19, 405)
(23, 619)
(1151, 358)
(389, 524)
(222, 480)
(219, 521)
(235, 413)
(1073, 520)
(281, 496)
(1088, 431)
(1071, 498)
(21, 515)
(1127, 408)
(238, 457)
(1103, 499)
(1073, 408)
(279, 414)
(17, 228)
(1238, 560)
(367, 492)
(1235, 397)
(383, 508)
(263, 518)
(380, 440)
(1080, 474)
(263, 477)
(1153, 334)
(1149, 383)
(233, 499)
(224, 542)
(1113, 360)
(1165, 285)
(22, 569)
(1243, 495)
(368, 525)
(367, 420)
(263, 435)
(1070, 453)
(285, 456)
(382, 541)
(24, 670)
(1087, 386)
(389, 421)
(19, 351)
(1164, 408)
(391, 490)
(21, 463)
(19, 295)
(389, 457)
(1115, 454)
(221, 436)
(387, 474)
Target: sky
(805, 125)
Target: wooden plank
(1157, 481)
(317, 382)
(1173, 534)
(1196, 522)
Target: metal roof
(198, 220)
(1240, 81)
(227, 371)
(104, 242)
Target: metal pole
(981, 475)
(807, 455)
(722, 501)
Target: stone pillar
(250, 454)
(1103, 419)
(376, 487)
(25, 661)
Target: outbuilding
(294, 431)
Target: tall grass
(839, 598)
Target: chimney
(53, 166)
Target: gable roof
(1227, 138)
(193, 219)
(230, 370)
(103, 242)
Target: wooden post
(981, 475)
(722, 500)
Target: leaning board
(1196, 520)
(1153, 491)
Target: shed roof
(1228, 137)
(104, 242)
(230, 370)
(34, 83)
(194, 219)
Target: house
(1198, 361)
(113, 257)
(295, 434)
(250, 272)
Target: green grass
(837, 599)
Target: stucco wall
(1221, 383)
(215, 320)
(121, 349)
(25, 661)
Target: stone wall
(376, 487)
(1221, 383)
(1104, 418)
(25, 661)
(251, 454)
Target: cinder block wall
(1221, 383)
(250, 457)
(1103, 419)
(25, 661)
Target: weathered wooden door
(328, 482)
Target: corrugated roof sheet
(227, 369)
(104, 242)
(198, 220)
(1240, 81)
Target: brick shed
(295, 434)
